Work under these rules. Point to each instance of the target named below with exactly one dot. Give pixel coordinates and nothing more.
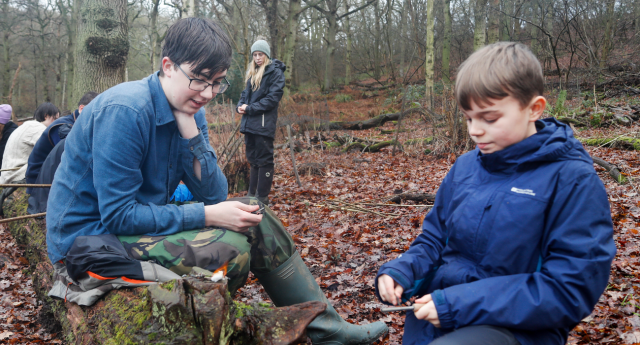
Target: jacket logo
(523, 191)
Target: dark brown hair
(200, 42)
(496, 71)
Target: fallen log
(375, 87)
(611, 169)
(373, 122)
(419, 141)
(418, 197)
(571, 121)
(185, 311)
(620, 142)
(362, 147)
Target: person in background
(50, 137)
(21, 142)
(6, 127)
(258, 105)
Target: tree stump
(185, 311)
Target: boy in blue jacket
(518, 245)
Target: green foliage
(414, 93)
(560, 109)
(343, 98)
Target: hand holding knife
(413, 308)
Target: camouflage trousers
(260, 250)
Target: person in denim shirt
(129, 151)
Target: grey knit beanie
(261, 46)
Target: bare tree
(103, 46)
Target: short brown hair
(496, 71)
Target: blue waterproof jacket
(520, 238)
(48, 140)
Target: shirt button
(191, 148)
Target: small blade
(390, 309)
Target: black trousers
(478, 335)
(259, 149)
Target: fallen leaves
(19, 308)
(344, 248)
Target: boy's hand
(232, 215)
(428, 311)
(186, 124)
(390, 291)
(241, 109)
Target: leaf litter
(344, 248)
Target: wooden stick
(8, 185)
(23, 217)
(392, 205)
(236, 145)
(366, 210)
(611, 169)
(293, 157)
(224, 149)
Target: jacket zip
(262, 120)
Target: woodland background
(55, 50)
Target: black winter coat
(261, 114)
(9, 127)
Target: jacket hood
(275, 63)
(554, 141)
(9, 126)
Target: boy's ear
(537, 106)
(167, 66)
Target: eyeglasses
(196, 84)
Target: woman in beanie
(259, 108)
(21, 142)
(6, 127)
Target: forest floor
(345, 230)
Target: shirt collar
(164, 114)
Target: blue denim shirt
(122, 161)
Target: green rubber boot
(292, 283)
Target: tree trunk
(446, 44)
(429, 55)
(377, 39)
(533, 31)
(43, 64)
(401, 30)
(271, 11)
(607, 44)
(6, 51)
(347, 29)
(480, 15)
(6, 75)
(330, 39)
(154, 37)
(189, 9)
(494, 22)
(185, 311)
(295, 9)
(69, 14)
(103, 45)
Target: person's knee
(480, 334)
